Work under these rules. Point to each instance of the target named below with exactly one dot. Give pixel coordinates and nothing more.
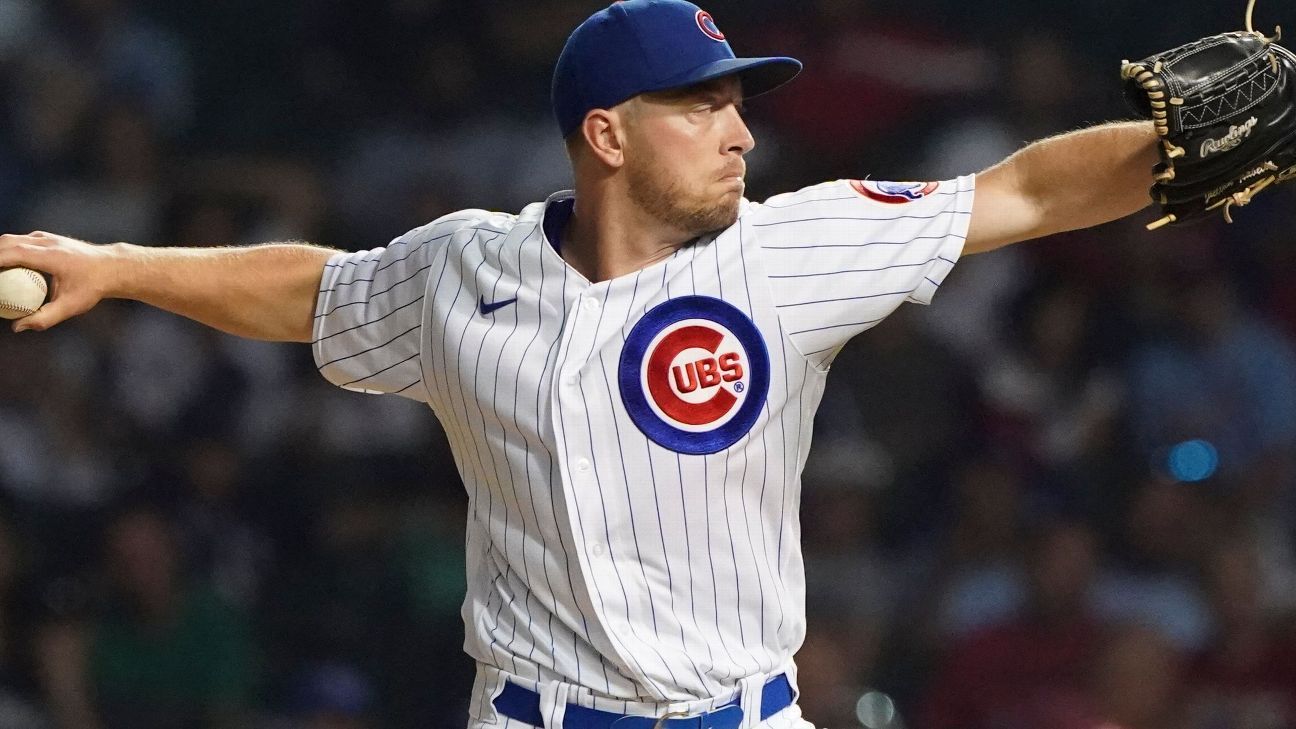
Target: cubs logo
(694, 374)
(894, 193)
(708, 26)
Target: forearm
(1089, 177)
(262, 292)
(1067, 182)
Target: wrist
(119, 269)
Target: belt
(523, 705)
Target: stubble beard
(665, 198)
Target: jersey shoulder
(864, 203)
(806, 195)
(866, 194)
(472, 222)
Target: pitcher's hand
(81, 274)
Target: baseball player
(627, 371)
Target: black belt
(523, 705)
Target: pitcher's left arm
(1071, 181)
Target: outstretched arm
(261, 292)
(1072, 181)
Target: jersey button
(591, 305)
(583, 465)
(571, 380)
(598, 550)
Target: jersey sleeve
(842, 256)
(369, 315)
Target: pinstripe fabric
(860, 261)
(598, 557)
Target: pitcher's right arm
(265, 292)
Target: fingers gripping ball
(22, 292)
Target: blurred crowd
(1062, 497)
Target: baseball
(22, 291)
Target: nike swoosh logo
(492, 308)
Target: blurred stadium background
(1060, 498)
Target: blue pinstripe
(751, 306)
(853, 217)
(526, 444)
(372, 296)
(859, 245)
(848, 298)
(856, 270)
(477, 492)
(837, 326)
(679, 465)
(381, 371)
(459, 378)
(375, 348)
(706, 490)
(652, 473)
(724, 483)
(593, 585)
(607, 534)
(494, 400)
(352, 263)
(811, 201)
(369, 323)
(481, 346)
(553, 491)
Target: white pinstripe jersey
(632, 448)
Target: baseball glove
(1225, 110)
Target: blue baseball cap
(637, 46)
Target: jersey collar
(558, 211)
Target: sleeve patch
(894, 193)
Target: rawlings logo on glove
(1231, 100)
(1230, 140)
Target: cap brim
(759, 75)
